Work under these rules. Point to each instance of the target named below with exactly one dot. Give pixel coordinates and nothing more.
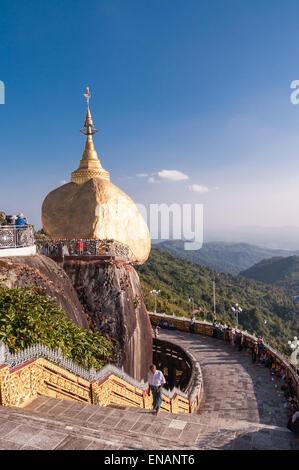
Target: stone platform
(242, 408)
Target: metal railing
(90, 247)
(206, 328)
(14, 236)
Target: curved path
(242, 408)
(243, 405)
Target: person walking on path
(192, 324)
(254, 352)
(156, 331)
(156, 381)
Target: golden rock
(91, 207)
(96, 209)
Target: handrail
(16, 236)
(96, 378)
(206, 328)
(91, 247)
(55, 356)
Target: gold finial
(87, 94)
(88, 124)
(90, 166)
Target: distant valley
(278, 271)
(179, 279)
(223, 256)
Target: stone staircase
(49, 423)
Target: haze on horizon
(192, 100)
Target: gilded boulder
(96, 209)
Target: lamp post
(214, 294)
(155, 293)
(191, 300)
(237, 309)
(294, 345)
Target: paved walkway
(243, 404)
(242, 409)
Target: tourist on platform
(156, 381)
(21, 220)
(192, 324)
(80, 247)
(219, 331)
(233, 337)
(65, 251)
(261, 347)
(293, 423)
(263, 358)
(291, 390)
(10, 220)
(254, 352)
(2, 217)
(172, 326)
(278, 370)
(238, 340)
(214, 328)
(269, 361)
(156, 331)
(227, 330)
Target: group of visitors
(259, 355)
(80, 247)
(17, 220)
(164, 324)
(229, 333)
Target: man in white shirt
(156, 380)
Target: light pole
(214, 294)
(237, 309)
(155, 293)
(191, 300)
(294, 345)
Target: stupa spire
(90, 166)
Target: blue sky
(201, 87)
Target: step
(88, 426)
(49, 423)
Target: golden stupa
(91, 207)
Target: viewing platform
(86, 250)
(17, 240)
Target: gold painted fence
(21, 384)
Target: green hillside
(282, 272)
(222, 256)
(179, 279)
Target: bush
(28, 317)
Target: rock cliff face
(44, 273)
(97, 294)
(111, 295)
